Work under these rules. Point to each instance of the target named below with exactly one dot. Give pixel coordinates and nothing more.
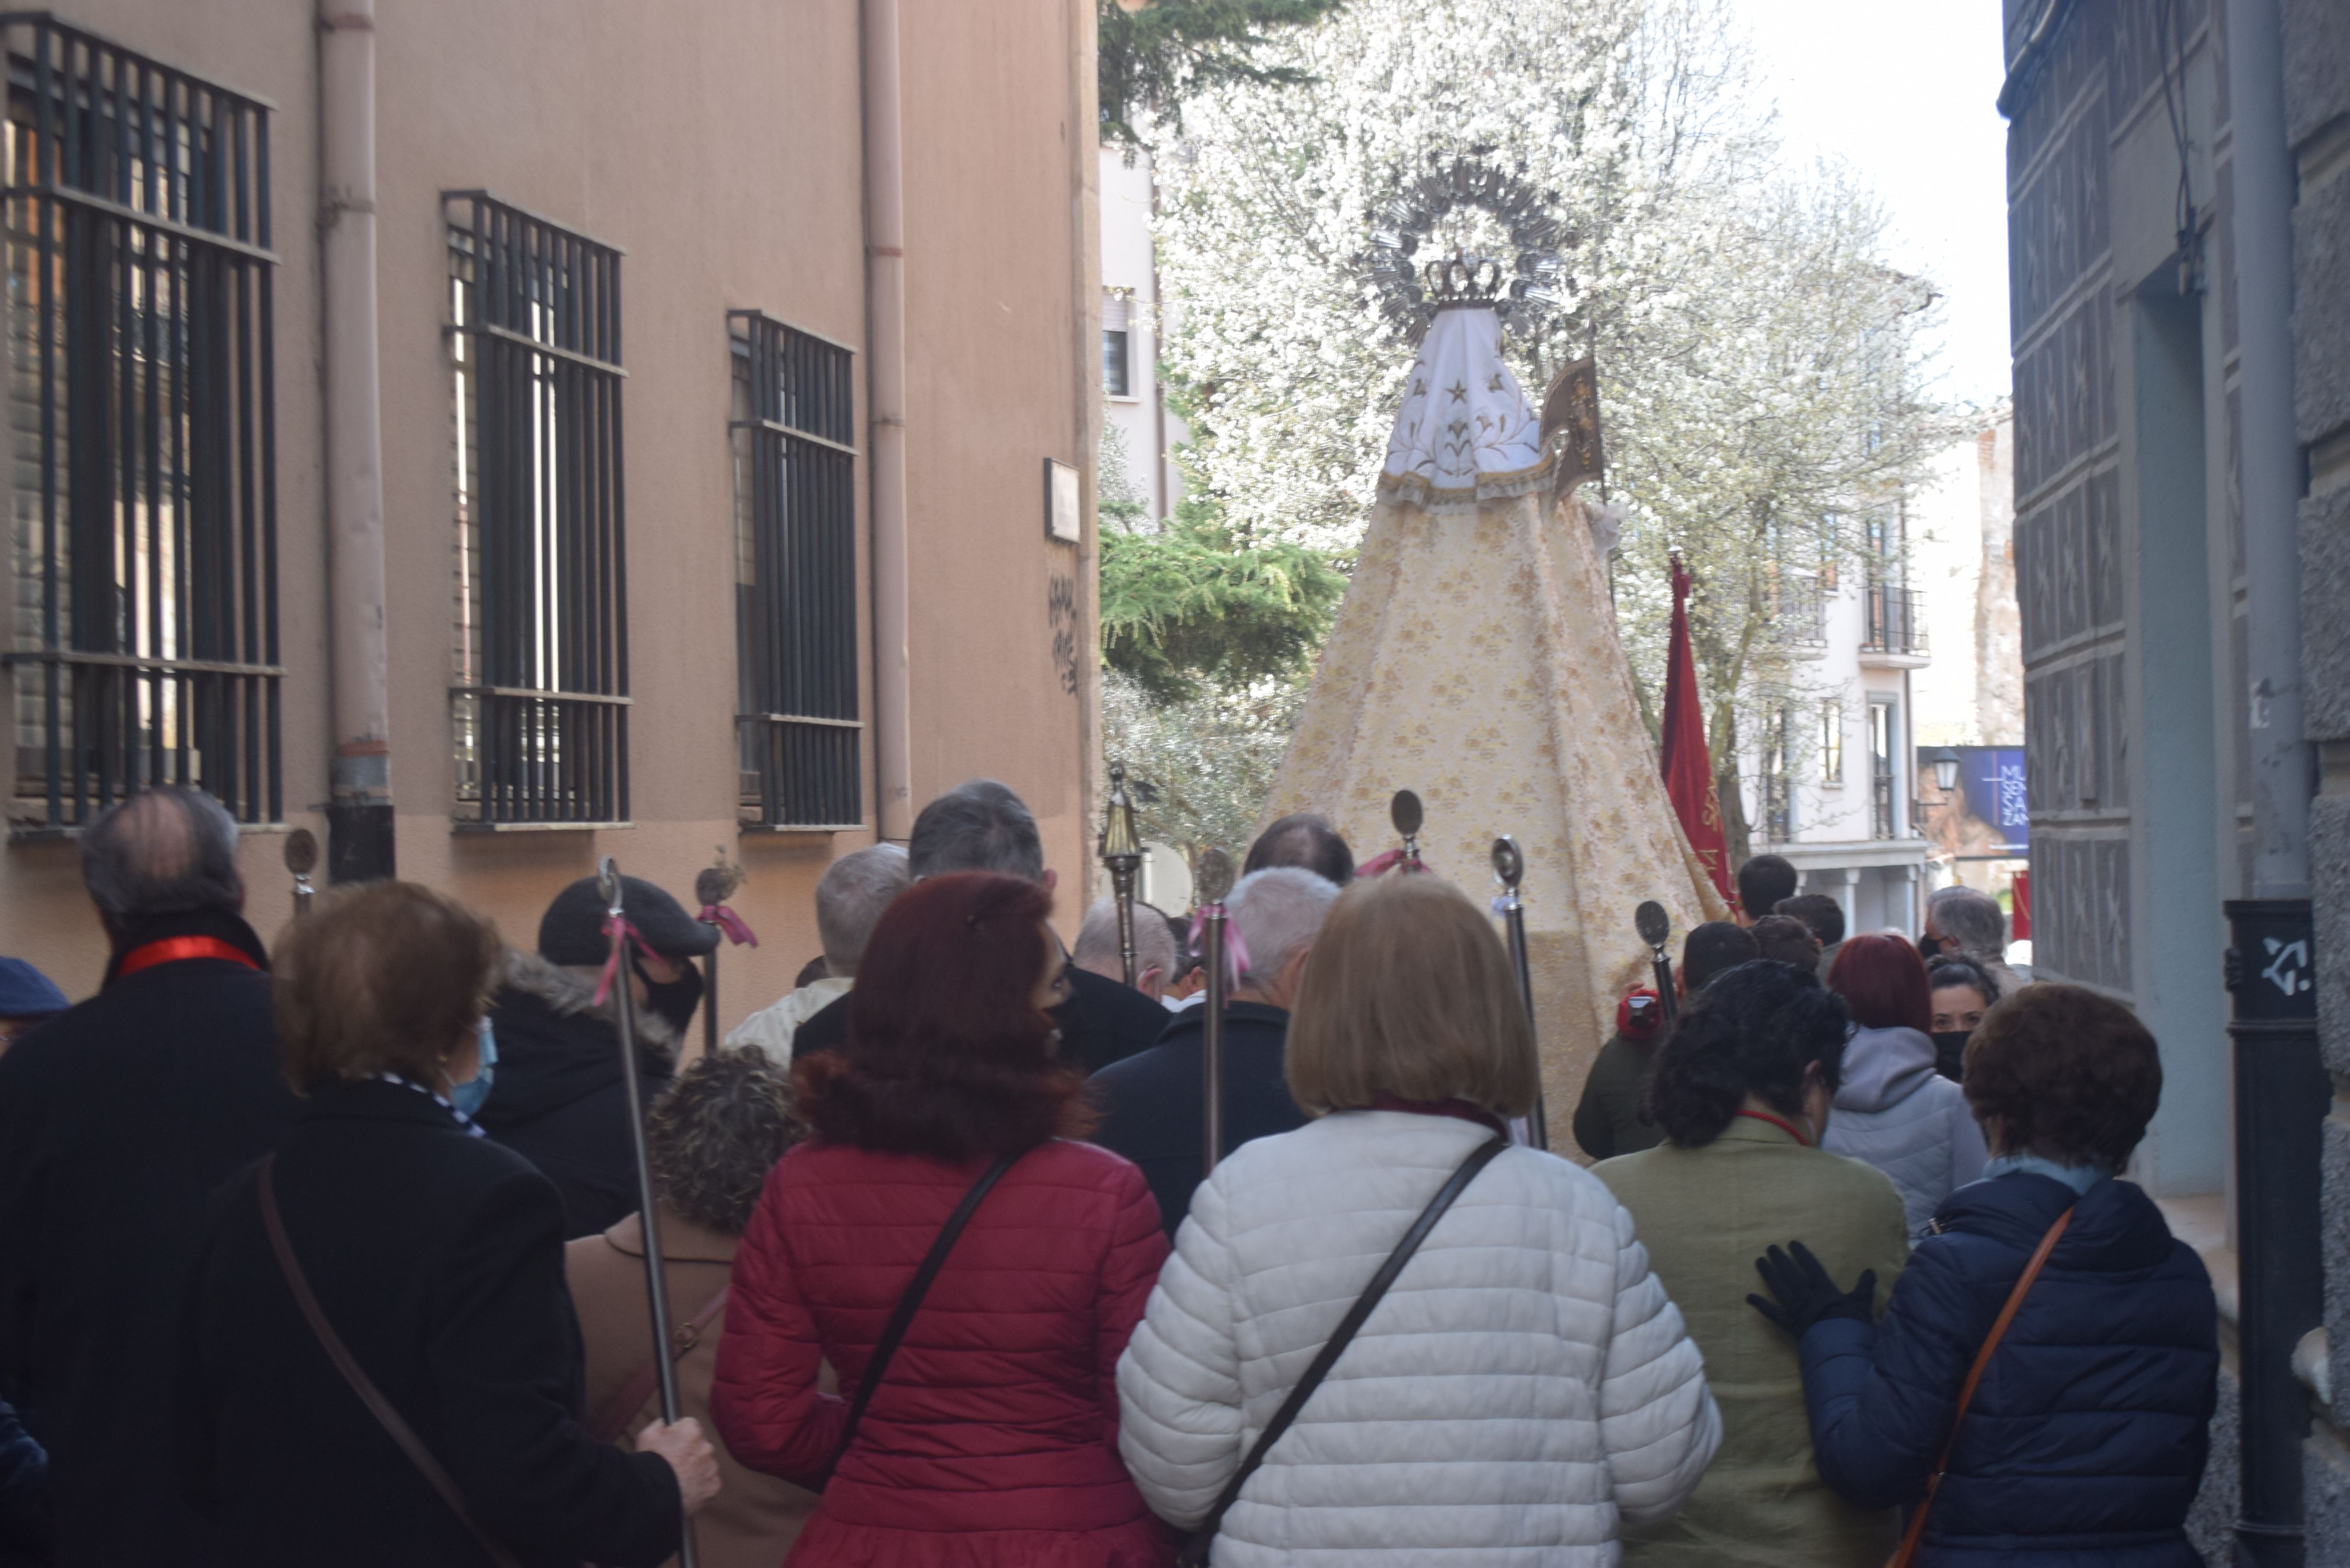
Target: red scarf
(172, 949)
(1782, 1123)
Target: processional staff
(712, 885)
(624, 1010)
(301, 859)
(1121, 853)
(1510, 867)
(1656, 928)
(1209, 926)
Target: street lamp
(1945, 763)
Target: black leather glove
(1805, 1294)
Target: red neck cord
(172, 949)
(1782, 1123)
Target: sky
(1901, 91)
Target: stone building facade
(2147, 172)
(626, 327)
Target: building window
(796, 575)
(142, 549)
(1118, 343)
(1880, 770)
(539, 708)
(1830, 742)
(1779, 777)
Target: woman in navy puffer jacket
(2086, 1438)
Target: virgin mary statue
(1476, 662)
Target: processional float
(1476, 652)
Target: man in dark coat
(117, 1119)
(984, 827)
(556, 1097)
(1152, 1109)
(1608, 1119)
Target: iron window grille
(1779, 778)
(142, 635)
(539, 708)
(794, 431)
(1880, 770)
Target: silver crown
(1521, 292)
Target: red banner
(1689, 771)
(2019, 920)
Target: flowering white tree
(1758, 381)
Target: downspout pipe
(2271, 453)
(2281, 1088)
(359, 812)
(885, 409)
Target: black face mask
(675, 1001)
(1929, 948)
(1949, 1049)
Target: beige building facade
(630, 281)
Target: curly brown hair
(2067, 1075)
(716, 1132)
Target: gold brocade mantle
(1475, 662)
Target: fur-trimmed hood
(567, 994)
(556, 1046)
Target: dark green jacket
(1608, 1122)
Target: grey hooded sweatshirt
(1896, 1113)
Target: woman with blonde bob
(1522, 1387)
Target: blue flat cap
(26, 992)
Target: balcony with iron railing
(1795, 614)
(1894, 634)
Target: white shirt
(771, 1028)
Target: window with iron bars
(794, 431)
(141, 630)
(539, 708)
(1779, 777)
(1881, 732)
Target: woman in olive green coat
(1741, 1089)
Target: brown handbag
(1909, 1537)
(370, 1395)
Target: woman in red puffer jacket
(992, 1437)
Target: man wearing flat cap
(553, 1055)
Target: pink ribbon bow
(727, 920)
(1380, 864)
(1234, 948)
(614, 928)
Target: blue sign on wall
(1991, 779)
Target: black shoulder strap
(1195, 1551)
(389, 1419)
(910, 1303)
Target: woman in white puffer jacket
(1893, 1110)
(1524, 1384)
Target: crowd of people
(331, 1251)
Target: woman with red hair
(990, 1436)
(1894, 1111)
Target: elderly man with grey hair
(982, 825)
(849, 898)
(1097, 951)
(118, 1119)
(1967, 921)
(1152, 1106)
